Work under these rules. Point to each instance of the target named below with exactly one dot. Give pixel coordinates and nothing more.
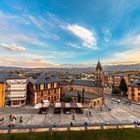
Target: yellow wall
(2, 94)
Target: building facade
(2, 94)
(43, 88)
(16, 89)
(90, 99)
(12, 90)
(134, 91)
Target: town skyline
(68, 33)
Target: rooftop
(43, 78)
(6, 76)
(84, 83)
(135, 83)
(87, 95)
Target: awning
(45, 105)
(38, 106)
(67, 105)
(79, 105)
(41, 105)
(57, 105)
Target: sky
(69, 33)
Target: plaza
(111, 113)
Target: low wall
(68, 128)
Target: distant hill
(75, 68)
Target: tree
(123, 86)
(113, 86)
(67, 98)
(116, 91)
(79, 97)
(83, 92)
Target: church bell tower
(99, 74)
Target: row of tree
(121, 90)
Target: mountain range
(76, 68)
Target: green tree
(83, 95)
(123, 86)
(79, 97)
(116, 91)
(67, 98)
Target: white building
(16, 89)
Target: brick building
(134, 90)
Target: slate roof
(43, 78)
(84, 83)
(63, 82)
(135, 83)
(4, 76)
(87, 95)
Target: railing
(64, 127)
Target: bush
(116, 91)
(67, 98)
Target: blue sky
(65, 33)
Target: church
(91, 90)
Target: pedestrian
(73, 117)
(89, 113)
(20, 119)
(101, 109)
(10, 117)
(71, 124)
(54, 125)
(2, 119)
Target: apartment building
(12, 90)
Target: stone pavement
(119, 113)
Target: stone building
(43, 87)
(91, 99)
(93, 90)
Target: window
(48, 91)
(132, 92)
(52, 85)
(54, 90)
(45, 86)
(41, 93)
(37, 87)
(15, 103)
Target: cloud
(131, 40)
(28, 63)
(45, 26)
(13, 47)
(28, 38)
(107, 34)
(87, 37)
(72, 45)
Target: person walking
(20, 119)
